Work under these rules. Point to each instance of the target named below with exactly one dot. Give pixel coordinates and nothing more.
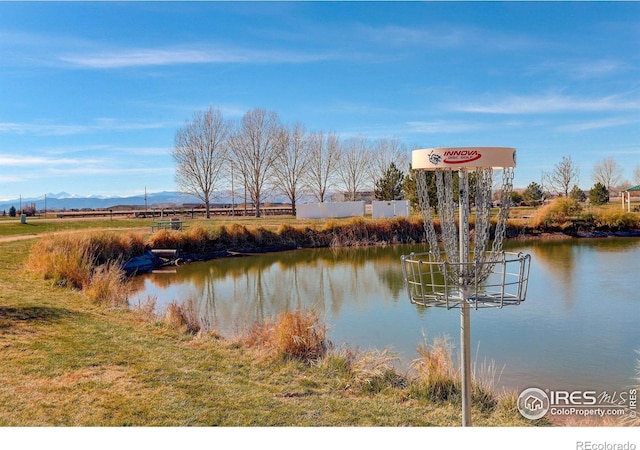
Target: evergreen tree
(516, 198)
(577, 194)
(410, 188)
(389, 187)
(598, 195)
(533, 194)
(12, 211)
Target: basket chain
(449, 234)
(425, 208)
(446, 209)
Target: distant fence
(377, 209)
(166, 212)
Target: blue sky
(91, 94)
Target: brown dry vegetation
(567, 214)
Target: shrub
(557, 213)
(598, 194)
(617, 220)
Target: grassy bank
(75, 354)
(70, 361)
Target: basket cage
(490, 283)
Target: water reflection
(232, 293)
(578, 327)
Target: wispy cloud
(102, 170)
(352, 107)
(121, 58)
(448, 36)
(40, 162)
(582, 69)
(54, 50)
(70, 168)
(553, 103)
(598, 124)
(99, 125)
(444, 126)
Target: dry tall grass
(374, 370)
(298, 335)
(146, 309)
(183, 316)
(437, 377)
(359, 231)
(108, 285)
(67, 260)
(88, 261)
(563, 213)
(558, 213)
(617, 220)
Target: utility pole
(233, 195)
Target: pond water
(578, 328)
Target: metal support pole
(465, 320)
(465, 361)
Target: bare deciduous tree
(199, 152)
(324, 156)
(291, 157)
(253, 147)
(607, 172)
(564, 175)
(354, 165)
(636, 175)
(387, 151)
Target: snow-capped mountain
(64, 200)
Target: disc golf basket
(461, 270)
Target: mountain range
(63, 200)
